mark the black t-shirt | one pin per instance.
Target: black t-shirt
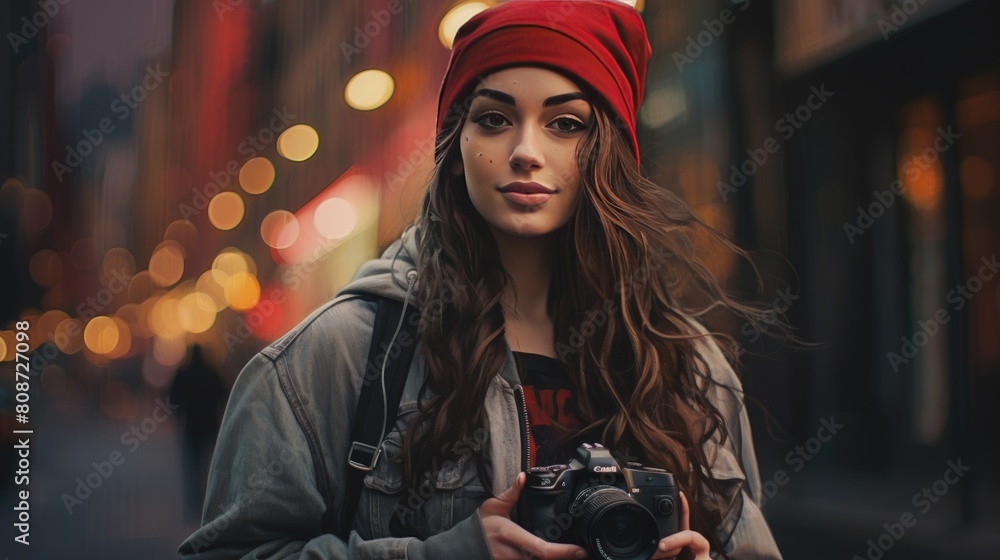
(550, 398)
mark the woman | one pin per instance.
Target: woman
(549, 275)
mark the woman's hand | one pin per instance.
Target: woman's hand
(673, 545)
(507, 539)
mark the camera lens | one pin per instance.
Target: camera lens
(614, 526)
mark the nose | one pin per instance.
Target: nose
(527, 153)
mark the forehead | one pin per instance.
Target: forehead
(528, 81)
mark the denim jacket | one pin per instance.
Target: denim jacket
(276, 487)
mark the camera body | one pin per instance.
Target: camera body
(615, 512)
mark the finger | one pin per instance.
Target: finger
(511, 495)
(685, 539)
(685, 513)
(534, 547)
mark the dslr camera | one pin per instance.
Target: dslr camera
(615, 512)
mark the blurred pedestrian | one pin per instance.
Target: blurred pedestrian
(200, 394)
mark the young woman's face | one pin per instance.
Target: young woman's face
(521, 134)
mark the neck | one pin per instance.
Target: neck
(528, 261)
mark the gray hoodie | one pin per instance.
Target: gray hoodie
(277, 483)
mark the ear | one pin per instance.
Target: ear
(458, 168)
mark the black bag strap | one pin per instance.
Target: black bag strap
(371, 414)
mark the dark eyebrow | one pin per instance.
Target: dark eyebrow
(497, 95)
(509, 99)
(564, 98)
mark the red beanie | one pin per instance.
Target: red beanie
(599, 44)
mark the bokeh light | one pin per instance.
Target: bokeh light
(165, 318)
(226, 210)
(208, 286)
(124, 343)
(69, 336)
(456, 18)
(257, 175)
(166, 266)
(118, 266)
(279, 229)
(335, 218)
(242, 291)
(183, 232)
(197, 312)
(298, 142)
(101, 335)
(369, 89)
(169, 352)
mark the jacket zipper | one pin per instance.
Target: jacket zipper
(525, 427)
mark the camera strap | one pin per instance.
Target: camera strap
(372, 413)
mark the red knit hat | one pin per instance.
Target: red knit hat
(599, 44)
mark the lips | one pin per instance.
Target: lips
(525, 188)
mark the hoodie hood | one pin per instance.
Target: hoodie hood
(393, 275)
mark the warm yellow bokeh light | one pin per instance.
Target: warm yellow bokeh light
(298, 142)
(3, 347)
(335, 218)
(164, 318)
(124, 343)
(456, 18)
(208, 285)
(197, 312)
(279, 229)
(45, 268)
(166, 266)
(257, 175)
(242, 291)
(101, 335)
(369, 89)
(226, 210)
(229, 262)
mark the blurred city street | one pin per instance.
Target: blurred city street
(183, 181)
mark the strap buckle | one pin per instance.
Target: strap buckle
(363, 456)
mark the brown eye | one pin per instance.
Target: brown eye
(568, 125)
(491, 121)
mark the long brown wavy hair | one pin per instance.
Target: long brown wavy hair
(642, 385)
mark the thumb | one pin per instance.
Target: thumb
(509, 497)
